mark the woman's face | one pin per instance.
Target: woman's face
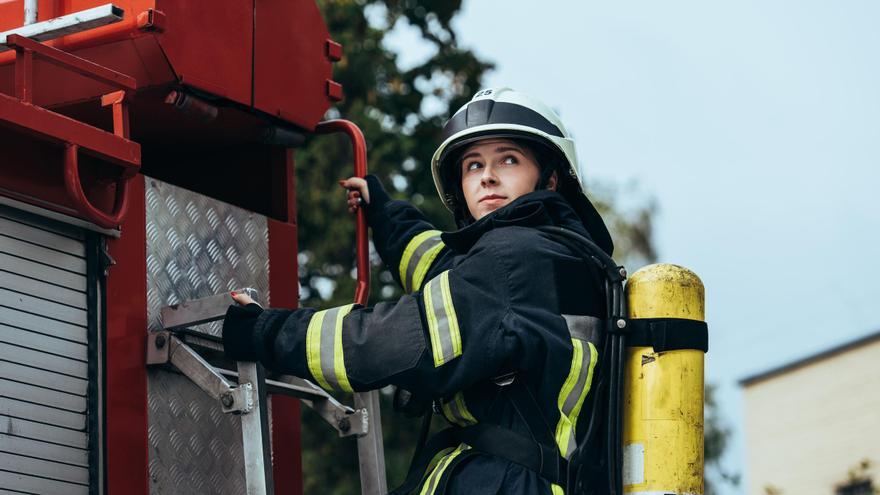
(494, 172)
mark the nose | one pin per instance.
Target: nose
(488, 178)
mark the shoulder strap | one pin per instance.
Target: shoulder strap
(583, 327)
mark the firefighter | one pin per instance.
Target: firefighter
(485, 328)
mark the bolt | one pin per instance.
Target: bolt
(160, 341)
(621, 324)
(227, 399)
(344, 425)
(623, 272)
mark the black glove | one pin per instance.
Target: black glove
(238, 332)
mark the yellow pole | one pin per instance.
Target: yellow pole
(663, 392)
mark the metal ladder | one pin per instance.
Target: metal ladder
(243, 392)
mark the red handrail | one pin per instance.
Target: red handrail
(25, 50)
(362, 292)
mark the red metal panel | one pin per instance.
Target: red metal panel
(291, 64)
(284, 290)
(126, 370)
(210, 45)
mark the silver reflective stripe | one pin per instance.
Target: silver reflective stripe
(426, 246)
(434, 479)
(324, 348)
(328, 349)
(573, 392)
(572, 398)
(442, 320)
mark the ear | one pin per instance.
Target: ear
(551, 182)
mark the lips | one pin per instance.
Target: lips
(492, 197)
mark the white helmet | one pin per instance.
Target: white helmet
(506, 113)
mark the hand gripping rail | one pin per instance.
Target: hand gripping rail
(242, 392)
(371, 452)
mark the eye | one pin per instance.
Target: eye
(469, 166)
(509, 160)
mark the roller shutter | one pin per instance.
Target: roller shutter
(48, 391)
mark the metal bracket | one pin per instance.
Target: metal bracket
(248, 398)
(165, 348)
(345, 420)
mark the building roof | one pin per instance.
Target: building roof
(799, 363)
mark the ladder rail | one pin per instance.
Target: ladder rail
(371, 450)
(256, 444)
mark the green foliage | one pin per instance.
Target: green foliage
(401, 113)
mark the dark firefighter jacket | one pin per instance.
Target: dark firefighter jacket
(481, 302)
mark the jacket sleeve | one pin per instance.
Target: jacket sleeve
(458, 330)
(406, 241)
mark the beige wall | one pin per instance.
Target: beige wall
(806, 428)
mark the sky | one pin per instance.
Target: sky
(754, 125)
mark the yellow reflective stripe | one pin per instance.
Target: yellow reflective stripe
(450, 314)
(324, 348)
(338, 358)
(434, 478)
(564, 426)
(432, 324)
(462, 408)
(594, 356)
(417, 257)
(448, 413)
(571, 397)
(442, 320)
(425, 264)
(313, 349)
(457, 412)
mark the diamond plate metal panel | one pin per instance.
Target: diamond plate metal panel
(196, 247)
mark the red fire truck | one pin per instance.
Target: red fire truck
(147, 170)
(146, 167)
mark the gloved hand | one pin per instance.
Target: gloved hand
(238, 327)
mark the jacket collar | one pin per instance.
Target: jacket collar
(535, 209)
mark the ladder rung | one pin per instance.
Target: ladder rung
(198, 311)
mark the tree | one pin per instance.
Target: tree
(401, 113)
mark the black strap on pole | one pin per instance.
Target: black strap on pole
(668, 334)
